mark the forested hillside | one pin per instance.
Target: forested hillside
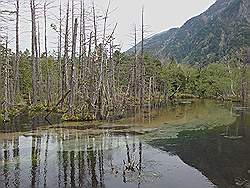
(206, 38)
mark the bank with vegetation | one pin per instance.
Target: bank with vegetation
(162, 83)
(89, 78)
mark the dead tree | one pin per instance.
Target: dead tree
(42, 88)
(102, 94)
(66, 56)
(101, 89)
(94, 24)
(34, 53)
(48, 81)
(89, 76)
(111, 81)
(135, 64)
(17, 57)
(142, 66)
(72, 15)
(60, 51)
(73, 71)
(94, 70)
(149, 93)
(6, 84)
(82, 51)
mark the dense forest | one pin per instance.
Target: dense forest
(88, 77)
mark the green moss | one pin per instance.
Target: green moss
(210, 117)
(185, 96)
(14, 111)
(188, 135)
(38, 108)
(77, 117)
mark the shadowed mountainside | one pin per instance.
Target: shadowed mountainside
(206, 38)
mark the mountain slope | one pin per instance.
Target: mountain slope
(225, 26)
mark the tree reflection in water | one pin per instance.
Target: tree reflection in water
(61, 159)
(222, 154)
(78, 158)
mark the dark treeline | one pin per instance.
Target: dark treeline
(88, 77)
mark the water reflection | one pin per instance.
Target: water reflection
(101, 157)
(26, 120)
(180, 112)
(77, 159)
(222, 154)
(67, 158)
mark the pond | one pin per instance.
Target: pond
(192, 144)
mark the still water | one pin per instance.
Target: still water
(190, 145)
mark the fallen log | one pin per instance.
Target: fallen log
(176, 91)
(60, 101)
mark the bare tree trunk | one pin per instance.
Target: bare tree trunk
(95, 25)
(82, 53)
(112, 75)
(89, 73)
(231, 80)
(80, 41)
(135, 65)
(38, 43)
(149, 91)
(41, 83)
(142, 67)
(48, 81)
(33, 54)
(100, 89)
(60, 51)
(95, 89)
(73, 71)
(6, 83)
(66, 55)
(72, 16)
(84, 29)
(17, 58)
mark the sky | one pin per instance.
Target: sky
(160, 15)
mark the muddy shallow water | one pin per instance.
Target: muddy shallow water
(198, 145)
